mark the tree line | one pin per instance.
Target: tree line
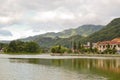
(17, 46)
(77, 47)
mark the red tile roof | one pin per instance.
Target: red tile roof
(114, 41)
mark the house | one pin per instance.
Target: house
(115, 43)
(88, 45)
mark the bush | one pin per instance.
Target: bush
(59, 49)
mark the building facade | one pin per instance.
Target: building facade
(115, 43)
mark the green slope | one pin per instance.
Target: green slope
(48, 42)
(110, 31)
(65, 37)
(84, 30)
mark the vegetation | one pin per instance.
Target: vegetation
(49, 42)
(59, 49)
(22, 47)
(2, 45)
(78, 48)
(84, 30)
(109, 50)
(65, 37)
(72, 44)
(109, 32)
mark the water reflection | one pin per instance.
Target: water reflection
(111, 65)
(37, 69)
(103, 67)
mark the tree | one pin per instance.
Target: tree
(79, 45)
(114, 50)
(59, 49)
(108, 46)
(91, 47)
(53, 50)
(74, 45)
(82, 49)
(11, 47)
(32, 47)
(3, 45)
(22, 47)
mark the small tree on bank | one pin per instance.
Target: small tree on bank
(59, 49)
(32, 47)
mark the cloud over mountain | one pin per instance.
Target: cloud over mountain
(5, 33)
(38, 16)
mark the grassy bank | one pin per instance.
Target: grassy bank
(89, 55)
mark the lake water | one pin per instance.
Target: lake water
(59, 69)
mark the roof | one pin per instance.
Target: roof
(114, 41)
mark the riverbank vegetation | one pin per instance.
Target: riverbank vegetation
(60, 49)
(76, 47)
(22, 47)
(79, 48)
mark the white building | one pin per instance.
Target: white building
(115, 43)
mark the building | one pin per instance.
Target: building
(88, 45)
(115, 43)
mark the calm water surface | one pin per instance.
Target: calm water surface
(61, 69)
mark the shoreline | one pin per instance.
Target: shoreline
(48, 56)
(90, 55)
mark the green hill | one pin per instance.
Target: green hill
(48, 41)
(110, 31)
(84, 30)
(100, 33)
(65, 37)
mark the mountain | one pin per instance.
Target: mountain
(84, 30)
(4, 41)
(97, 33)
(48, 41)
(109, 32)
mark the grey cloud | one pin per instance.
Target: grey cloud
(12, 7)
(5, 33)
(23, 12)
(47, 27)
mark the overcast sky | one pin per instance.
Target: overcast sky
(22, 18)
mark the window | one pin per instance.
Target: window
(111, 46)
(104, 46)
(114, 46)
(118, 45)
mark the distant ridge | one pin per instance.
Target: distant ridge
(84, 30)
(95, 34)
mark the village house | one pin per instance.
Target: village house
(115, 43)
(87, 46)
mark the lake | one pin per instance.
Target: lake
(59, 69)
